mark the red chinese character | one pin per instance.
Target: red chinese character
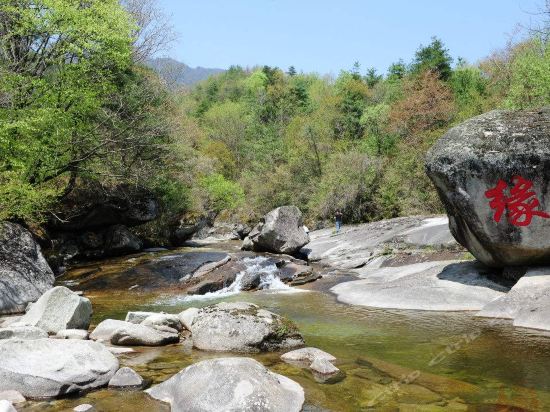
(520, 204)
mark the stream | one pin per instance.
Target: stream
(393, 360)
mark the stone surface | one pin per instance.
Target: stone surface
(131, 334)
(229, 384)
(307, 355)
(163, 322)
(471, 159)
(138, 317)
(6, 406)
(72, 334)
(323, 367)
(57, 309)
(444, 286)
(281, 231)
(22, 332)
(105, 330)
(187, 316)
(242, 327)
(24, 273)
(119, 240)
(126, 378)
(44, 368)
(85, 407)
(12, 396)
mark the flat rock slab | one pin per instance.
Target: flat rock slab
(229, 384)
(442, 286)
(22, 332)
(46, 368)
(139, 335)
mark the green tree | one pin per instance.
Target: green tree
(434, 57)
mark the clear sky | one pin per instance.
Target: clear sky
(327, 36)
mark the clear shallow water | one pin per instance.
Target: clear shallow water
(392, 360)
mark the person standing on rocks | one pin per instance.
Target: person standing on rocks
(338, 218)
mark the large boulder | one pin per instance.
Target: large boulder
(119, 240)
(242, 327)
(24, 273)
(123, 333)
(22, 332)
(229, 384)
(45, 368)
(58, 309)
(281, 231)
(492, 174)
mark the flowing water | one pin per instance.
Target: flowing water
(392, 360)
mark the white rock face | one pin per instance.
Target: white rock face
(307, 355)
(126, 378)
(323, 367)
(138, 317)
(72, 334)
(12, 396)
(57, 309)
(6, 406)
(242, 327)
(229, 384)
(163, 322)
(106, 329)
(85, 407)
(443, 286)
(46, 368)
(22, 332)
(187, 316)
(139, 335)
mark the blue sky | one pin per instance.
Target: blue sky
(328, 36)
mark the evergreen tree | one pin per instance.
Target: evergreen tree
(434, 57)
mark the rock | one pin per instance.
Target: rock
(324, 367)
(57, 309)
(242, 327)
(6, 406)
(187, 316)
(105, 330)
(12, 396)
(22, 332)
(230, 384)
(163, 322)
(500, 153)
(242, 230)
(281, 231)
(24, 273)
(138, 317)
(120, 241)
(126, 378)
(85, 407)
(72, 334)
(307, 355)
(45, 368)
(444, 286)
(139, 335)
(119, 351)
(218, 232)
(209, 267)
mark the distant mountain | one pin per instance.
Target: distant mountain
(175, 72)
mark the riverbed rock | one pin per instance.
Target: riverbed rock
(126, 378)
(72, 334)
(12, 396)
(85, 407)
(163, 322)
(24, 273)
(443, 286)
(105, 330)
(119, 240)
(45, 368)
(242, 327)
(492, 175)
(139, 335)
(307, 355)
(22, 332)
(137, 317)
(230, 384)
(57, 309)
(187, 317)
(6, 406)
(281, 231)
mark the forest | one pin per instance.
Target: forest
(81, 115)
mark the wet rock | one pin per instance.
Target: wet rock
(233, 384)
(281, 231)
(507, 151)
(45, 368)
(120, 241)
(242, 327)
(6, 406)
(126, 378)
(57, 309)
(163, 322)
(131, 334)
(72, 334)
(12, 396)
(444, 286)
(318, 361)
(307, 355)
(22, 332)
(138, 317)
(85, 407)
(324, 367)
(119, 351)
(24, 273)
(187, 317)
(209, 267)
(242, 230)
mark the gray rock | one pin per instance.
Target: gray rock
(85, 407)
(324, 367)
(138, 317)
(105, 330)
(12, 396)
(22, 332)
(307, 355)
(57, 309)
(119, 351)
(120, 241)
(242, 327)
(229, 384)
(444, 286)
(24, 273)
(139, 335)
(480, 154)
(72, 334)
(45, 368)
(163, 322)
(281, 231)
(6, 406)
(187, 316)
(126, 378)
